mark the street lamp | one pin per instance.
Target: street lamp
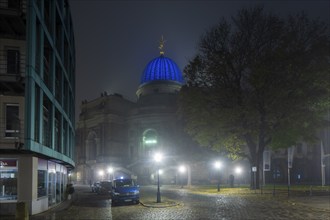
(182, 169)
(110, 171)
(158, 158)
(218, 166)
(238, 171)
(101, 173)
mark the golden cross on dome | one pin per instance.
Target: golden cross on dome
(161, 45)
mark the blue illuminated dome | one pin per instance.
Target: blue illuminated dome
(161, 68)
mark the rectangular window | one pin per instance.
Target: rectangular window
(38, 46)
(66, 96)
(48, 15)
(13, 61)
(42, 183)
(51, 183)
(59, 187)
(58, 131)
(58, 82)
(14, 4)
(8, 179)
(42, 177)
(12, 120)
(59, 38)
(37, 115)
(48, 54)
(47, 125)
(66, 54)
(65, 137)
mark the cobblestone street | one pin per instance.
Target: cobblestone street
(252, 206)
(87, 205)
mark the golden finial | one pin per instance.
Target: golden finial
(161, 45)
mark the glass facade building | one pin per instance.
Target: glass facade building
(37, 95)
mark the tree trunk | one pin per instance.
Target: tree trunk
(256, 163)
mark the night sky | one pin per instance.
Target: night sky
(116, 39)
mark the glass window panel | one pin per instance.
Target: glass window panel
(47, 125)
(42, 183)
(37, 115)
(12, 120)
(8, 179)
(12, 61)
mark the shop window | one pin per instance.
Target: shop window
(59, 187)
(8, 179)
(51, 188)
(51, 183)
(42, 178)
(42, 183)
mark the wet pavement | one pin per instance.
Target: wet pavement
(180, 203)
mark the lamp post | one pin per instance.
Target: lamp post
(110, 171)
(101, 173)
(238, 171)
(158, 158)
(217, 166)
(182, 169)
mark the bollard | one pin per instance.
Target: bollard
(21, 211)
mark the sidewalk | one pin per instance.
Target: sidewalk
(47, 214)
(314, 202)
(319, 200)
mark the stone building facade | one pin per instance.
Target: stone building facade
(116, 133)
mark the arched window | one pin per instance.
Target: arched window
(150, 141)
(150, 137)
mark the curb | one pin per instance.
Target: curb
(159, 205)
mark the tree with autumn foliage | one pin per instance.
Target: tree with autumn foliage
(257, 80)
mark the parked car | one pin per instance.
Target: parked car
(95, 187)
(125, 190)
(105, 188)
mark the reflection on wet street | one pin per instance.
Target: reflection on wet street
(89, 206)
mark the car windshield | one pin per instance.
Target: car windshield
(106, 184)
(124, 183)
